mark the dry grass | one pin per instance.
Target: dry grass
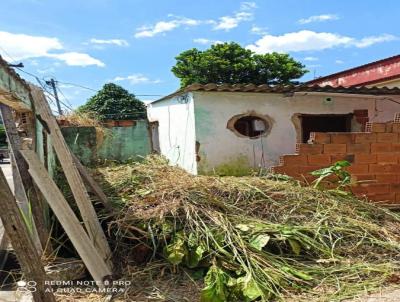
(253, 237)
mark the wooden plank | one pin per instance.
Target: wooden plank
(22, 243)
(74, 179)
(93, 260)
(93, 184)
(23, 182)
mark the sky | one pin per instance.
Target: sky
(133, 43)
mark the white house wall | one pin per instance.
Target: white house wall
(176, 130)
(223, 151)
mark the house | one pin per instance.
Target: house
(233, 129)
(380, 73)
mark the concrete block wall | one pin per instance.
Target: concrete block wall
(374, 158)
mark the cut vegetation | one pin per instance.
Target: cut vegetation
(250, 238)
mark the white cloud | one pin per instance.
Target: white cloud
(306, 40)
(165, 26)
(22, 47)
(319, 18)
(137, 78)
(258, 30)
(248, 5)
(245, 13)
(206, 41)
(117, 42)
(368, 41)
(310, 59)
(339, 62)
(77, 59)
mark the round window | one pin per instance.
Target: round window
(251, 126)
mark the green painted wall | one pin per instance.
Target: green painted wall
(119, 143)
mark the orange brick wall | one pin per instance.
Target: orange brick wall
(374, 158)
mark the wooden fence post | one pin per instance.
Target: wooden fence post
(84, 246)
(74, 179)
(22, 243)
(23, 182)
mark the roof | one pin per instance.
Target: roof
(283, 89)
(365, 67)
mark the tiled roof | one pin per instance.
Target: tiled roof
(284, 89)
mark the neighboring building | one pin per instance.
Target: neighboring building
(382, 73)
(233, 129)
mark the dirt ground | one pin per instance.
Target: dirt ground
(385, 295)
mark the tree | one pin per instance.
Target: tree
(115, 102)
(232, 64)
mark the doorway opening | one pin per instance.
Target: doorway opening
(324, 123)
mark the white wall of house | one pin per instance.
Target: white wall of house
(224, 151)
(390, 84)
(176, 131)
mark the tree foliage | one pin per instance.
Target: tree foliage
(114, 102)
(232, 64)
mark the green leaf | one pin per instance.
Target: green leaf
(295, 245)
(243, 227)
(194, 256)
(215, 286)
(297, 273)
(176, 251)
(250, 289)
(260, 241)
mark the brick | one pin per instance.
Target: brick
(359, 189)
(287, 170)
(319, 160)
(387, 178)
(387, 158)
(304, 170)
(362, 137)
(358, 169)
(396, 127)
(389, 127)
(363, 177)
(359, 148)
(387, 137)
(383, 168)
(381, 147)
(397, 198)
(294, 159)
(361, 112)
(337, 157)
(388, 197)
(378, 127)
(320, 138)
(335, 148)
(342, 138)
(365, 158)
(378, 188)
(309, 149)
(395, 188)
(396, 147)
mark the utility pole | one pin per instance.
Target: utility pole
(52, 83)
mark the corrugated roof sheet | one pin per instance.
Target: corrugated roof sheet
(284, 89)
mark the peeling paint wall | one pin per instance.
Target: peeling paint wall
(176, 122)
(118, 143)
(223, 152)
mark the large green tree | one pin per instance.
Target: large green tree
(232, 64)
(114, 102)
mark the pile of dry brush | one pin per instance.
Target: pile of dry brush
(253, 238)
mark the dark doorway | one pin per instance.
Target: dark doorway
(324, 123)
